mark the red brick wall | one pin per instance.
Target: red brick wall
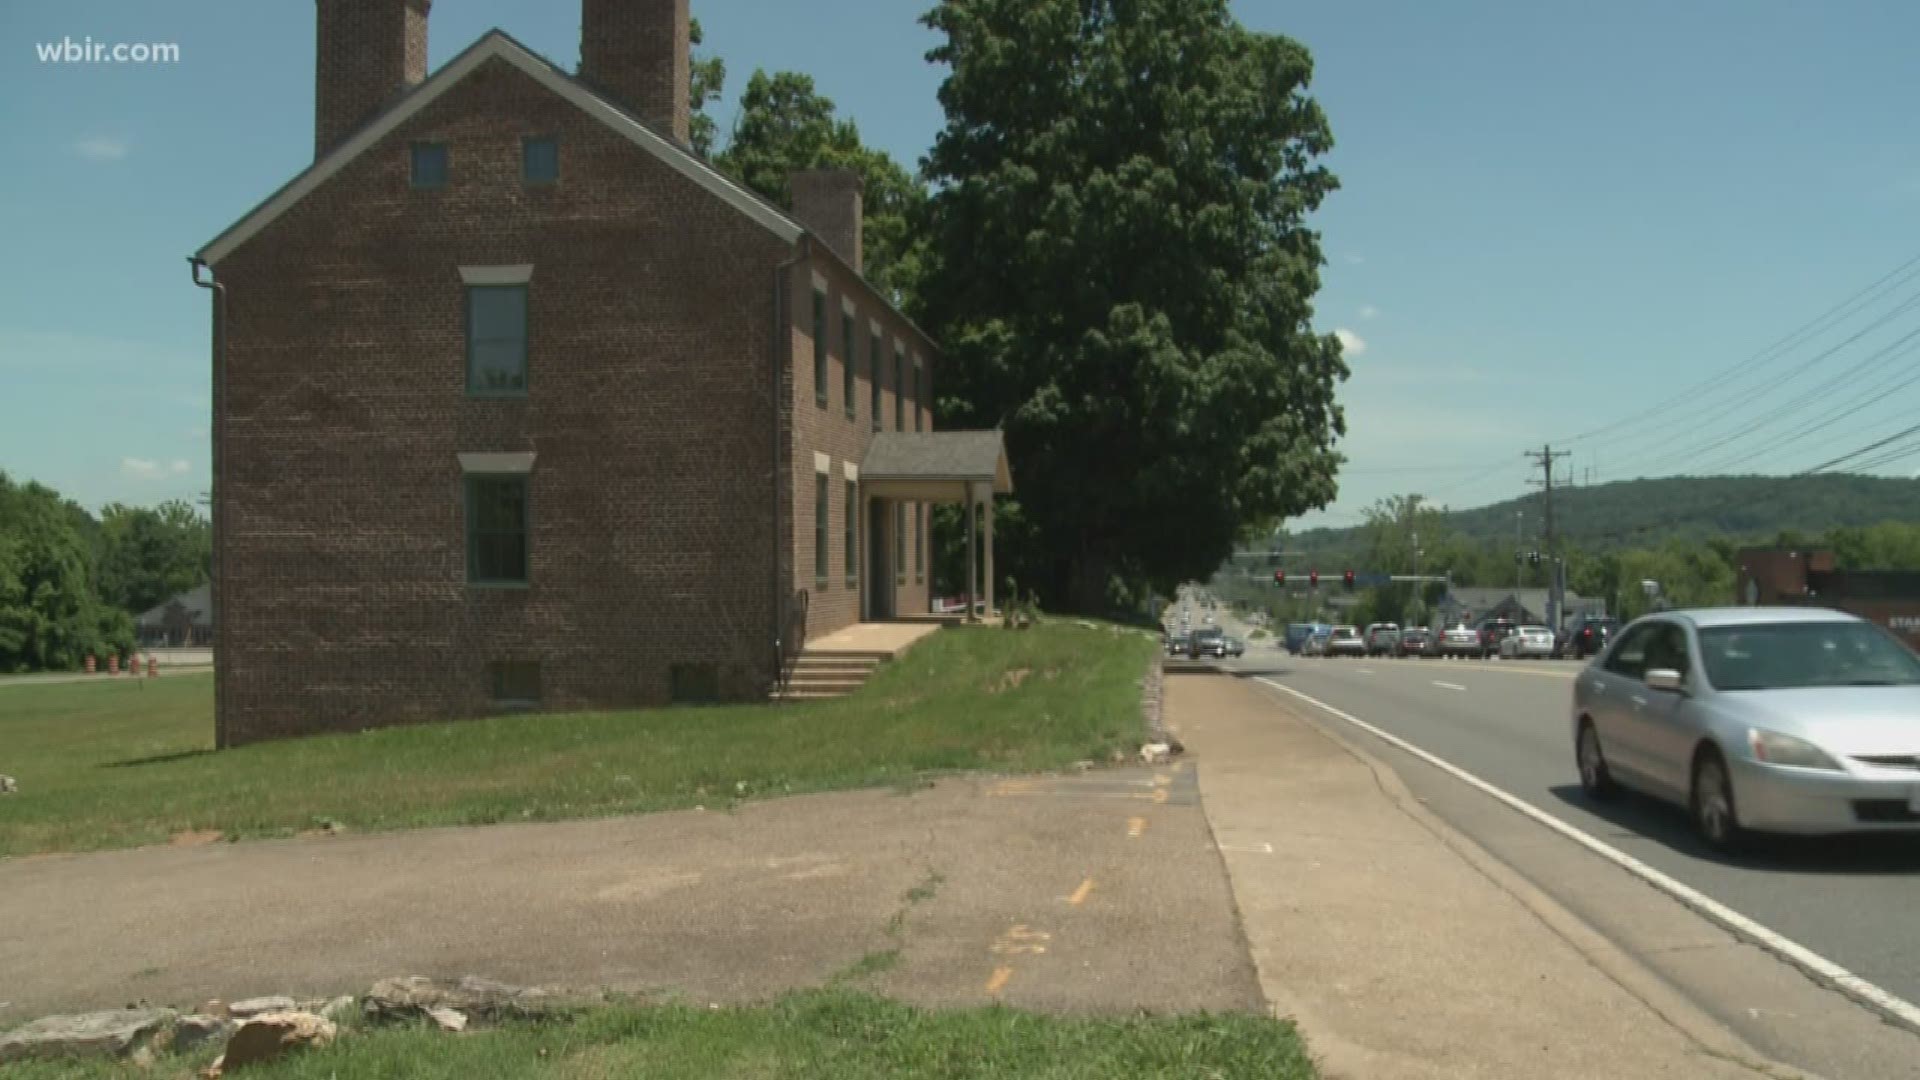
(367, 53)
(650, 408)
(828, 430)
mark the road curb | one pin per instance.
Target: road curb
(1878, 1000)
(1637, 979)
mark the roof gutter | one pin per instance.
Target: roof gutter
(779, 355)
(216, 591)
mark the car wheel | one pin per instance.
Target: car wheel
(1595, 778)
(1715, 816)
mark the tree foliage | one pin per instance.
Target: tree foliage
(709, 83)
(147, 555)
(785, 125)
(50, 616)
(1120, 272)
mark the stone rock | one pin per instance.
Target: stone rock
(214, 1007)
(416, 996)
(338, 1009)
(114, 1033)
(1155, 752)
(192, 1032)
(251, 1007)
(271, 1034)
(448, 1019)
(8, 785)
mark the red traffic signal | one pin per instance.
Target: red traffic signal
(1349, 579)
(1279, 577)
(1313, 578)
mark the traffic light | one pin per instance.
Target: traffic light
(1349, 579)
(1279, 577)
(1313, 578)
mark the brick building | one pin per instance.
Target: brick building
(1807, 578)
(519, 402)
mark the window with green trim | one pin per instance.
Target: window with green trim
(853, 532)
(497, 532)
(873, 377)
(820, 512)
(427, 165)
(919, 390)
(852, 351)
(820, 347)
(497, 340)
(899, 388)
(539, 160)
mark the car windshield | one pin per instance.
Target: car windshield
(1787, 656)
(1208, 632)
(1346, 632)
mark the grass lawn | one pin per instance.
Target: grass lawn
(117, 764)
(830, 1035)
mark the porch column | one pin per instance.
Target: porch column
(972, 557)
(989, 504)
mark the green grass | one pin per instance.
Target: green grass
(116, 764)
(830, 1035)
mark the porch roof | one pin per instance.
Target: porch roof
(921, 463)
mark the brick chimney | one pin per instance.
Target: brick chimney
(828, 202)
(368, 53)
(637, 53)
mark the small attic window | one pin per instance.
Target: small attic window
(539, 160)
(429, 168)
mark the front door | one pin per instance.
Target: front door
(879, 574)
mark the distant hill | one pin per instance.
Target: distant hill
(1648, 513)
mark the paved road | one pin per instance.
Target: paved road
(1853, 901)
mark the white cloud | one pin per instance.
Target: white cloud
(1356, 260)
(148, 469)
(1368, 311)
(100, 148)
(1351, 344)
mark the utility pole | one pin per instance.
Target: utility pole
(1544, 458)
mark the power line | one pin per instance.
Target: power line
(1761, 389)
(1872, 396)
(1778, 349)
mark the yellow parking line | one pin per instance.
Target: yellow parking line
(999, 979)
(1080, 894)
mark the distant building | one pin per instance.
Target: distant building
(1800, 577)
(185, 621)
(1525, 606)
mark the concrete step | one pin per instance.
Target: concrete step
(874, 655)
(808, 695)
(799, 681)
(835, 663)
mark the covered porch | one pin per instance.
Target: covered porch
(964, 467)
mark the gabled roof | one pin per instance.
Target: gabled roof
(197, 601)
(497, 44)
(939, 455)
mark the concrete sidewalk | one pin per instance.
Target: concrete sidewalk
(1402, 949)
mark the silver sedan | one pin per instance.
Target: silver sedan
(1534, 641)
(1789, 720)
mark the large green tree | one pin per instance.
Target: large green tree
(1121, 274)
(709, 83)
(50, 617)
(785, 125)
(147, 555)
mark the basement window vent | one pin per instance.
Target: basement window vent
(695, 684)
(514, 682)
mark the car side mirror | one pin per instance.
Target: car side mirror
(1666, 679)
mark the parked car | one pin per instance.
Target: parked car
(1346, 641)
(1792, 720)
(1461, 640)
(1316, 642)
(1415, 641)
(1492, 633)
(1383, 639)
(1176, 644)
(1590, 637)
(1527, 642)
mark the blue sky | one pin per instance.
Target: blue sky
(1554, 216)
